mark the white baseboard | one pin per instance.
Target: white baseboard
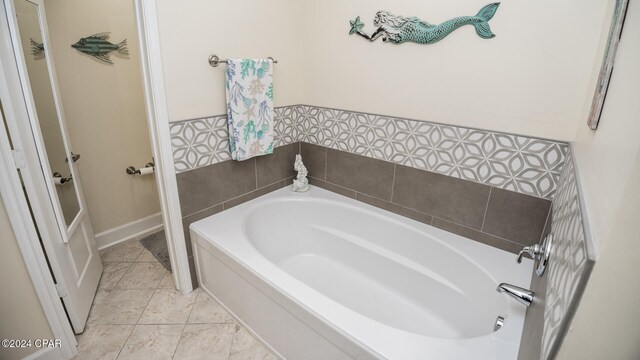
(147, 225)
(46, 354)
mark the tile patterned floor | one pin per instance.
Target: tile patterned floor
(138, 314)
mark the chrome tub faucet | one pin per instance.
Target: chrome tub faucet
(521, 295)
(539, 253)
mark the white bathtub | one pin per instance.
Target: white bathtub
(321, 276)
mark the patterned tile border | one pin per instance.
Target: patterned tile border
(201, 142)
(527, 165)
(570, 263)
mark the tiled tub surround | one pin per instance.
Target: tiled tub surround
(475, 208)
(201, 142)
(522, 164)
(501, 218)
(211, 189)
(572, 259)
(466, 188)
(559, 291)
(497, 217)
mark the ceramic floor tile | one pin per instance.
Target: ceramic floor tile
(155, 342)
(146, 256)
(127, 251)
(207, 311)
(143, 275)
(206, 341)
(167, 282)
(102, 342)
(118, 306)
(168, 307)
(111, 274)
(246, 347)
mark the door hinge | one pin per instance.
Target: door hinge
(62, 290)
(18, 159)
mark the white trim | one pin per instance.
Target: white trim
(137, 228)
(17, 207)
(158, 118)
(46, 354)
(67, 231)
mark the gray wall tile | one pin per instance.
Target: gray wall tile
(511, 162)
(461, 201)
(315, 158)
(394, 208)
(204, 187)
(362, 174)
(187, 220)
(332, 187)
(547, 224)
(490, 240)
(277, 166)
(515, 216)
(254, 194)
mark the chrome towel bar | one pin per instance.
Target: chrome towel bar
(214, 60)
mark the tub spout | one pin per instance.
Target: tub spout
(521, 295)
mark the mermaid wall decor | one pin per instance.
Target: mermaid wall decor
(400, 29)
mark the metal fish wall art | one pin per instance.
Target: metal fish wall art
(400, 29)
(99, 47)
(37, 48)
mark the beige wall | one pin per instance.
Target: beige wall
(606, 325)
(20, 310)
(105, 111)
(532, 79)
(191, 31)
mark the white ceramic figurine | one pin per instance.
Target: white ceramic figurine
(300, 183)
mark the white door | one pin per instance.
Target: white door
(51, 177)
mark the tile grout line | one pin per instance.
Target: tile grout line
(186, 322)
(546, 221)
(252, 191)
(484, 217)
(393, 182)
(336, 185)
(136, 324)
(326, 163)
(433, 217)
(233, 198)
(255, 168)
(472, 229)
(123, 275)
(394, 204)
(125, 341)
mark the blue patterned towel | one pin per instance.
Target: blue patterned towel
(250, 107)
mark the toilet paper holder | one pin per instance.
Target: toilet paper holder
(133, 171)
(61, 180)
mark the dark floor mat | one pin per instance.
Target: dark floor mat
(157, 245)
